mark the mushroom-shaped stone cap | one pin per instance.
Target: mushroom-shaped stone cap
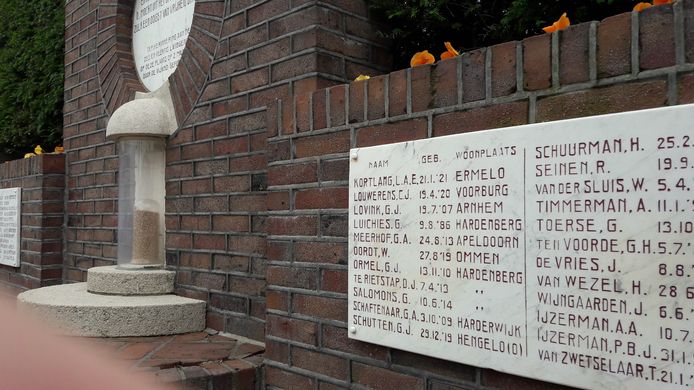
(149, 115)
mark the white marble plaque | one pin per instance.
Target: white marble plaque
(10, 229)
(160, 32)
(559, 251)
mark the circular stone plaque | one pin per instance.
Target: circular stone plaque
(160, 31)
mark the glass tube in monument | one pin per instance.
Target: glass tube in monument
(141, 192)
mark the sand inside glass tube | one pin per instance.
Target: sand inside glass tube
(145, 237)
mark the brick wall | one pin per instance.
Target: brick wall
(241, 54)
(627, 62)
(42, 180)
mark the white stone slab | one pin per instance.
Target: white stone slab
(559, 251)
(160, 32)
(10, 228)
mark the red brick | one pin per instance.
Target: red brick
(294, 67)
(397, 93)
(504, 69)
(320, 252)
(209, 241)
(383, 379)
(686, 89)
(180, 241)
(292, 225)
(199, 186)
(292, 174)
(537, 62)
(321, 198)
(215, 90)
(443, 368)
(337, 105)
(230, 263)
(305, 278)
(254, 162)
(320, 145)
(228, 303)
(334, 280)
(195, 222)
(401, 131)
(232, 184)
(573, 54)
(248, 203)
(276, 351)
(292, 329)
(270, 52)
(320, 307)
(247, 244)
(688, 7)
(229, 106)
(376, 97)
(278, 200)
(250, 37)
(336, 338)
(319, 109)
(210, 130)
(446, 82)
(287, 380)
(614, 45)
(195, 151)
(321, 363)
(357, 101)
(229, 146)
(277, 300)
(230, 223)
(491, 117)
(334, 170)
(421, 87)
(302, 115)
(598, 101)
(211, 204)
(266, 11)
(500, 380)
(195, 260)
(249, 80)
(656, 37)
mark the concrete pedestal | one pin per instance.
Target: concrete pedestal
(124, 306)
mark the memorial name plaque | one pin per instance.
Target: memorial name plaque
(160, 32)
(559, 251)
(10, 229)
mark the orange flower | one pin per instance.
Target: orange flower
(562, 23)
(641, 6)
(59, 149)
(422, 58)
(450, 51)
(660, 2)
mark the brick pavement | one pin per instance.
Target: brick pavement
(203, 360)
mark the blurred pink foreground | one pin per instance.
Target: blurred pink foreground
(31, 358)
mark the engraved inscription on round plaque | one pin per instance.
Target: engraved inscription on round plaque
(160, 31)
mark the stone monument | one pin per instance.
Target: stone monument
(134, 298)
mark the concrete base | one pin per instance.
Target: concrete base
(115, 281)
(74, 311)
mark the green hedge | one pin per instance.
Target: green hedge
(416, 25)
(31, 75)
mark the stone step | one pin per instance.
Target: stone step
(114, 281)
(75, 311)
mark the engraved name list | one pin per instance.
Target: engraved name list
(559, 251)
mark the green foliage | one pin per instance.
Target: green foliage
(416, 25)
(31, 75)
